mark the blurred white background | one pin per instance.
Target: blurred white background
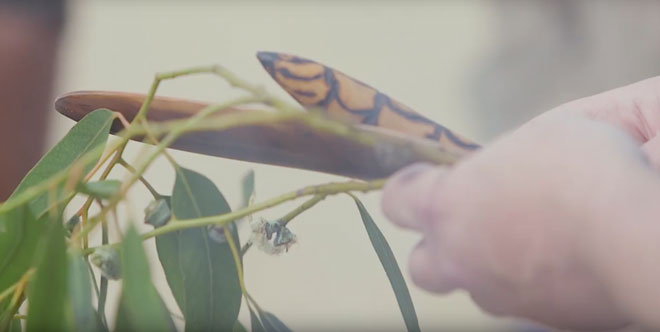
(426, 54)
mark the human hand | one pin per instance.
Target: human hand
(550, 222)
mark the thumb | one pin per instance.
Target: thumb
(410, 195)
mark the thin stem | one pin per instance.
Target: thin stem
(102, 299)
(217, 70)
(302, 208)
(93, 277)
(84, 217)
(155, 141)
(142, 112)
(9, 291)
(254, 303)
(20, 287)
(127, 134)
(236, 256)
(245, 248)
(237, 82)
(103, 293)
(189, 124)
(144, 181)
(289, 216)
(103, 159)
(85, 208)
(223, 219)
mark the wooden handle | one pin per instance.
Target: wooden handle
(292, 143)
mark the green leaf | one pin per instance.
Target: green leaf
(238, 327)
(272, 323)
(392, 270)
(80, 293)
(248, 187)
(100, 189)
(200, 271)
(19, 236)
(19, 228)
(47, 291)
(255, 323)
(140, 306)
(20, 233)
(15, 325)
(88, 134)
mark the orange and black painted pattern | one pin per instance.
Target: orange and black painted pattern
(314, 85)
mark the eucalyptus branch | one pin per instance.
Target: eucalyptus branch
(142, 112)
(103, 292)
(302, 208)
(231, 120)
(237, 258)
(9, 291)
(223, 219)
(219, 71)
(144, 181)
(62, 186)
(20, 288)
(154, 140)
(289, 216)
(129, 129)
(85, 208)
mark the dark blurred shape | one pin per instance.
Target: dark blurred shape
(549, 52)
(29, 34)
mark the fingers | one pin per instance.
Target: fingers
(408, 200)
(634, 108)
(432, 272)
(409, 195)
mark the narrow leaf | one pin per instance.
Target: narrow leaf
(255, 323)
(238, 327)
(200, 271)
(47, 291)
(272, 323)
(392, 270)
(140, 306)
(80, 293)
(88, 134)
(100, 189)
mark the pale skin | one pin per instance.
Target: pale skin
(557, 222)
